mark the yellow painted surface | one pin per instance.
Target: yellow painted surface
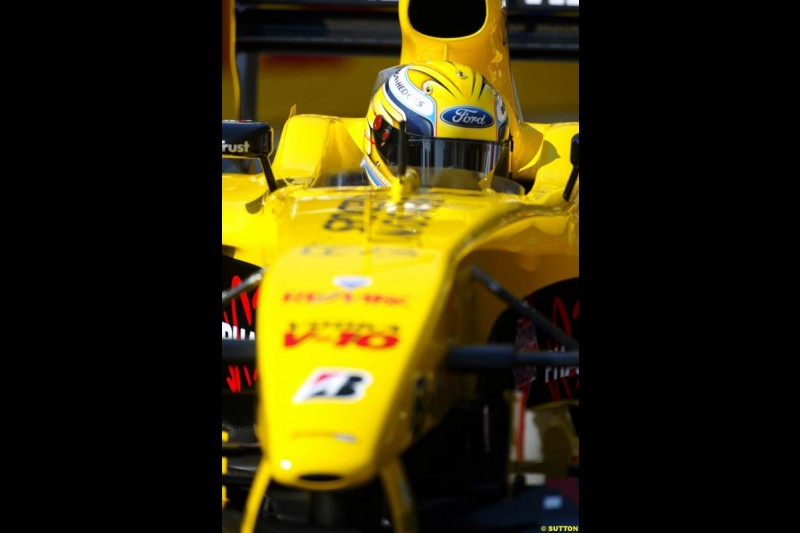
(342, 86)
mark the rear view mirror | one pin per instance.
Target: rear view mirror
(573, 158)
(573, 155)
(244, 138)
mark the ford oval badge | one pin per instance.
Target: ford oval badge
(467, 117)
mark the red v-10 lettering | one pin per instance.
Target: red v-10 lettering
(342, 296)
(372, 340)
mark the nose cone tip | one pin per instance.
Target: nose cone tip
(330, 460)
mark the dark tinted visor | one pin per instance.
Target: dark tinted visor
(433, 155)
(479, 156)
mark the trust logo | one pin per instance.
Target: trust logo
(235, 148)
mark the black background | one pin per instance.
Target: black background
(671, 298)
(112, 250)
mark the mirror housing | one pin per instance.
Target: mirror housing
(245, 138)
(573, 158)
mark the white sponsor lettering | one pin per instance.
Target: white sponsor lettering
(233, 332)
(553, 373)
(413, 97)
(468, 117)
(236, 148)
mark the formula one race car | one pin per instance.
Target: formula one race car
(415, 277)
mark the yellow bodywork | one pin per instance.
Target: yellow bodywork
(225, 500)
(418, 301)
(374, 285)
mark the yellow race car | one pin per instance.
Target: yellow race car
(400, 300)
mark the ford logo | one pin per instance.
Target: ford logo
(467, 117)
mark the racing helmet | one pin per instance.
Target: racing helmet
(456, 126)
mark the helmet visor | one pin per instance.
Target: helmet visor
(435, 159)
